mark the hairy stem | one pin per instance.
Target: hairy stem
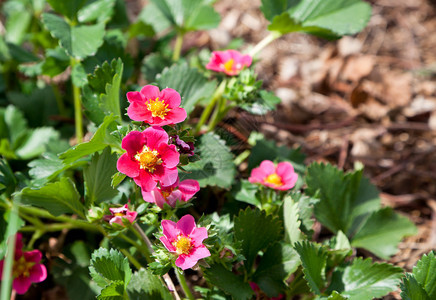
(265, 42)
(182, 280)
(178, 46)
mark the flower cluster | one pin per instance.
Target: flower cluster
(26, 268)
(151, 159)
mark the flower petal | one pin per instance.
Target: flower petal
(176, 115)
(169, 155)
(134, 97)
(33, 256)
(150, 92)
(158, 198)
(171, 97)
(169, 229)
(148, 196)
(21, 284)
(166, 176)
(145, 181)
(155, 136)
(188, 188)
(137, 111)
(38, 273)
(184, 262)
(268, 167)
(186, 224)
(200, 252)
(127, 166)
(133, 142)
(167, 244)
(246, 60)
(198, 235)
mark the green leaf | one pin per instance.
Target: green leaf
(291, 220)
(229, 282)
(98, 177)
(215, 167)
(99, 141)
(364, 280)
(263, 104)
(145, 285)
(16, 124)
(425, 274)
(117, 178)
(411, 289)
(109, 266)
(8, 182)
(100, 10)
(102, 95)
(58, 198)
(246, 192)
(55, 62)
(192, 86)
(314, 260)
(113, 291)
(346, 200)
(17, 24)
(254, 237)
(276, 265)
(79, 41)
(188, 15)
(68, 8)
(36, 142)
(382, 232)
(326, 18)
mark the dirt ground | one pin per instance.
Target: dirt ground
(368, 98)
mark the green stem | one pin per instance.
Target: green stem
(131, 259)
(9, 259)
(144, 250)
(182, 280)
(265, 42)
(220, 112)
(208, 110)
(78, 119)
(178, 46)
(59, 102)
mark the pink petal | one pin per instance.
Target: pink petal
(167, 244)
(176, 115)
(173, 197)
(155, 136)
(246, 60)
(1, 269)
(145, 181)
(19, 241)
(268, 167)
(199, 253)
(257, 175)
(188, 188)
(149, 196)
(122, 209)
(38, 273)
(169, 229)
(185, 262)
(158, 198)
(150, 92)
(198, 235)
(186, 224)
(33, 256)
(133, 142)
(21, 285)
(289, 183)
(127, 166)
(171, 97)
(138, 111)
(284, 168)
(169, 155)
(134, 97)
(131, 216)
(117, 220)
(167, 177)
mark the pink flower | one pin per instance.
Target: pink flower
(185, 240)
(230, 62)
(261, 295)
(26, 267)
(149, 158)
(120, 213)
(281, 177)
(182, 191)
(156, 107)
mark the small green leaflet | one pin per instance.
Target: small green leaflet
(145, 285)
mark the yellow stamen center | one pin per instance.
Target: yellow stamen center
(148, 159)
(22, 267)
(119, 215)
(158, 108)
(166, 194)
(274, 179)
(183, 245)
(228, 66)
